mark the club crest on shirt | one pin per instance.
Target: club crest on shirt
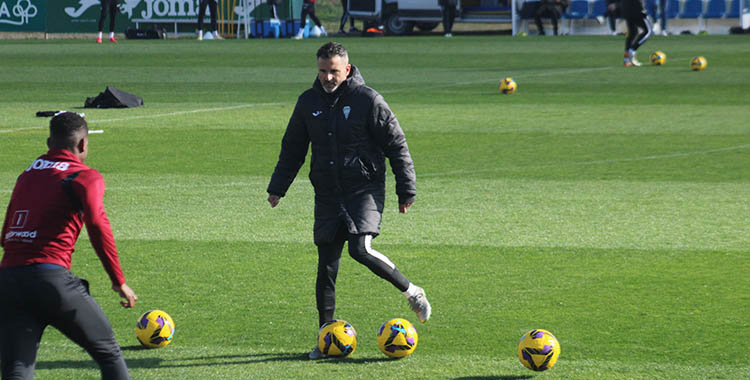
(346, 110)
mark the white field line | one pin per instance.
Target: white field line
(158, 115)
(446, 85)
(531, 74)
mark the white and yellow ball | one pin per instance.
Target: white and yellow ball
(658, 58)
(155, 329)
(698, 63)
(337, 338)
(538, 350)
(397, 338)
(508, 86)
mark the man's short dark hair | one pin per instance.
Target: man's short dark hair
(66, 128)
(331, 50)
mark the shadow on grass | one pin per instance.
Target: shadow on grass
(200, 361)
(353, 360)
(494, 377)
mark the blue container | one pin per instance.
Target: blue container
(272, 29)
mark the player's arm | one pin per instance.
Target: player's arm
(5, 227)
(89, 186)
(294, 148)
(389, 135)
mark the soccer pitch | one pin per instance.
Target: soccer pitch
(608, 205)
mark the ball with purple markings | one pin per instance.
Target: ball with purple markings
(397, 338)
(337, 338)
(538, 350)
(155, 329)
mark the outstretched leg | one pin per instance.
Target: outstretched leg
(360, 248)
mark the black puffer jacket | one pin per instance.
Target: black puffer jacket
(351, 132)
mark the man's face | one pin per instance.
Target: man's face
(332, 72)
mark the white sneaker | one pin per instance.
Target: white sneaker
(634, 61)
(300, 35)
(323, 32)
(449, 34)
(217, 36)
(315, 354)
(420, 305)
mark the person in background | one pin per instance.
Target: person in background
(214, 19)
(51, 201)
(448, 9)
(109, 7)
(613, 12)
(308, 9)
(639, 29)
(663, 17)
(344, 16)
(553, 9)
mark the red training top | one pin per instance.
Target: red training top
(52, 200)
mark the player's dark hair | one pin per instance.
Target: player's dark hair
(65, 130)
(331, 50)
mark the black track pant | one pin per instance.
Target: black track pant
(31, 299)
(639, 28)
(345, 15)
(612, 18)
(636, 22)
(214, 14)
(308, 9)
(109, 7)
(552, 11)
(360, 250)
(449, 14)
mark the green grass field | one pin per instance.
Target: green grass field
(607, 205)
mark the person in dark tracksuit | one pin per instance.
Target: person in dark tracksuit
(344, 17)
(351, 130)
(214, 8)
(612, 13)
(109, 8)
(448, 9)
(308, 9)
(552, 9)
(639, 29)
(51, 201)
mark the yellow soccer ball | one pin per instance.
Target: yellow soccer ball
(337, 338)
(508, 86)
(155, 329)
(538, 350)
(698, 63)
(397, 338)
(658, 58)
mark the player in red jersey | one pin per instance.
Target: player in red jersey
(53, 198)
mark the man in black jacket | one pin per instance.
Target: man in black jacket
(352, 131)
(552, 9)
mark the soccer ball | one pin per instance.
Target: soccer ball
(658, 58)
(508, 86)
(337, 338)
(397, 338)
(538, 350)
(155, 329)
(698, 63)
